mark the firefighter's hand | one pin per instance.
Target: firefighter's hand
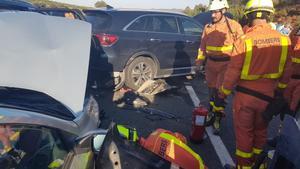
(199, 65)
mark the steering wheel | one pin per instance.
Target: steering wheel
(11, 159)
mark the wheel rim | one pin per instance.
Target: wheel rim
(141, 72)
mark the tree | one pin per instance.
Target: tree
(193, 12)
(199, 8)
(100, 4)
(188, 11)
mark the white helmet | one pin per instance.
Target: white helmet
(259, 5)
(217, 4)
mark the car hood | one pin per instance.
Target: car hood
(46, 54)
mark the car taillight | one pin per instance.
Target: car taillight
(107, 39)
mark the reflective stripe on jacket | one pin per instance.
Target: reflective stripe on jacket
(172, 147)
(217, 39)
(262, 53)
(252, 62)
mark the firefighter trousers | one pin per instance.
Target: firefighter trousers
(250, 128)
(214, 73)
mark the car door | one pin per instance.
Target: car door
(166, 42)
(134, 37)
(192, 36)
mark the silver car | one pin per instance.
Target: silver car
(46, 121)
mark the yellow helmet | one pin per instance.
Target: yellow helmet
(259, 5)
(217, 4)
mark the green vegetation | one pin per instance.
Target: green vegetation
(100, 4)
(283, 8)
(52, 4)
(197, 9)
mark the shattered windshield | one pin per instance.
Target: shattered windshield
(33, 101)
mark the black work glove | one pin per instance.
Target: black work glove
(278, 106)
(286, 110)
(278, 93)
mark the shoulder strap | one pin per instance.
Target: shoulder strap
(230, 29)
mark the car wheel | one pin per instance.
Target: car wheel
(120, 82)
(139, 71)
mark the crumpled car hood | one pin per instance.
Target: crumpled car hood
(46, 54)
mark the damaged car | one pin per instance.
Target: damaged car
(43, 107)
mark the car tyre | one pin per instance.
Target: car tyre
(139, 71)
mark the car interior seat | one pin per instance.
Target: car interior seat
(36, 148)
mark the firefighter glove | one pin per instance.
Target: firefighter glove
(278, 106)
(278, 93)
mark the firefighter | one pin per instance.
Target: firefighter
(292, 93)
(259, 70)
(216, 46)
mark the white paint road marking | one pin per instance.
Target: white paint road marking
(216, 141)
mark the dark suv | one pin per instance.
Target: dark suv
(141, 45)
(16, 5)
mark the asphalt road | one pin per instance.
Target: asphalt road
(179, 103)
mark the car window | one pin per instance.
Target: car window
(190, 28)
(99, 20)
(140, 24)
(62, 14)
(167, 24)
(30, 147)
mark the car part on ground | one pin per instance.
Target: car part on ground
(153, 87)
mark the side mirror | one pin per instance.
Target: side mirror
(91, 140)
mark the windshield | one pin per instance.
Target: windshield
(33, 101)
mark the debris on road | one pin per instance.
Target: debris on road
(130, 99)
(153, 87)
(153, 113)
(143, 96)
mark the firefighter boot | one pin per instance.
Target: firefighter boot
(217, 124)
(211, 115)
(210, 118)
